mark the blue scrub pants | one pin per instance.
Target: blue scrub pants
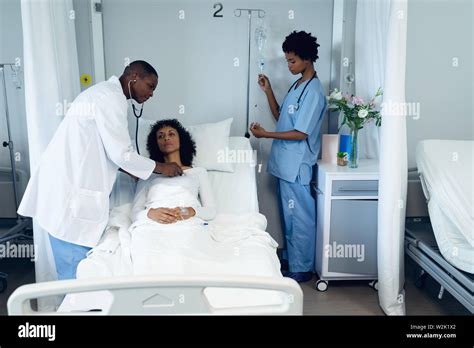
(66, 257)
(298, 210)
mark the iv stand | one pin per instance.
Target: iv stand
(261, 14)
(21, 222)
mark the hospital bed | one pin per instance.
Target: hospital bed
(235, 193)
(443, 246)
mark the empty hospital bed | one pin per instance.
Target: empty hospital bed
(444, 247)
(244, 293)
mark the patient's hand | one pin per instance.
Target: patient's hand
(163, 215)
(184, 213)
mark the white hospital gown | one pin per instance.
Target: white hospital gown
(192, 189)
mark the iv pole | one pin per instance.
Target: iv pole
(261, 14)
(21, 223)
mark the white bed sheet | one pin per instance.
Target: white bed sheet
(447, 168)
(229, 245)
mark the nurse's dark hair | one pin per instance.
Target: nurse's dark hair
(302, 44)
(187, 147)
(141, 67)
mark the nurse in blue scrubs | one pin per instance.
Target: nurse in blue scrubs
(295, 150)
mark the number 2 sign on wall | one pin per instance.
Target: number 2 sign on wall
(219, 7)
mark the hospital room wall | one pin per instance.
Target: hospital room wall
(196, 60)
(439, 72)
(11, 49)
(82, 23)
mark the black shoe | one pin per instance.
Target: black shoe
(300, 277)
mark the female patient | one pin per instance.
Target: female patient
(167, 200)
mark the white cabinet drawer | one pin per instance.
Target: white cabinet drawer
(355, 187)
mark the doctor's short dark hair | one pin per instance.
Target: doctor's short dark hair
(141, 67)
(302, 44)
(187, 146)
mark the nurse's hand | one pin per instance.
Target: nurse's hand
(163, 215)
(257, 130)
(264, 83)
(168, 169)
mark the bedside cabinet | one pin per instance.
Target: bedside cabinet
(346, 220)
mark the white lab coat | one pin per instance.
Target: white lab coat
(68, 193)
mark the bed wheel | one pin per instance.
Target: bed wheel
(321, 285)
(374, 285)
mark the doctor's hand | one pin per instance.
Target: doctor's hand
(163, 215)
(168, 169)
(257, 130)
(264, 83)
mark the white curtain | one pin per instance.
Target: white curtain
(372, 18)
(51, 81)
(393, 168)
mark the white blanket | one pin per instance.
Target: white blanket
(447, 168)
(228, 245)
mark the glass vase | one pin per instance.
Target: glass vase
(354, 154)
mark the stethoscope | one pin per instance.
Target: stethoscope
(306, 85)
(135, 113)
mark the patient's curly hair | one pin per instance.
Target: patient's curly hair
(187, 147)
(302, 44)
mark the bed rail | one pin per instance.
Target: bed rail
(177, 294)
(424, 187)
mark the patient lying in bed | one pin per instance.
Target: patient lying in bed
(166, 200)
(170, 213)
(173, 227)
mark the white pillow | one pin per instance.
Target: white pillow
(236, 193)
(212, 144)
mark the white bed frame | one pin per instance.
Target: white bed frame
(177, 295)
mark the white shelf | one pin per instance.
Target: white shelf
(366, 167)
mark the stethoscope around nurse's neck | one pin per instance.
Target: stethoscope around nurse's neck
(306, 85)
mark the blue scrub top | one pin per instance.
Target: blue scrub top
(293, 160)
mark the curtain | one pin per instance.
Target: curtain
(51, 81)
(372, 18)
(393, 168)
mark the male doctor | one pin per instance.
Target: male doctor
(68, 193)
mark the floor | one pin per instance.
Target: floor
(20, 270)
(358, 298)
(341, 298)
